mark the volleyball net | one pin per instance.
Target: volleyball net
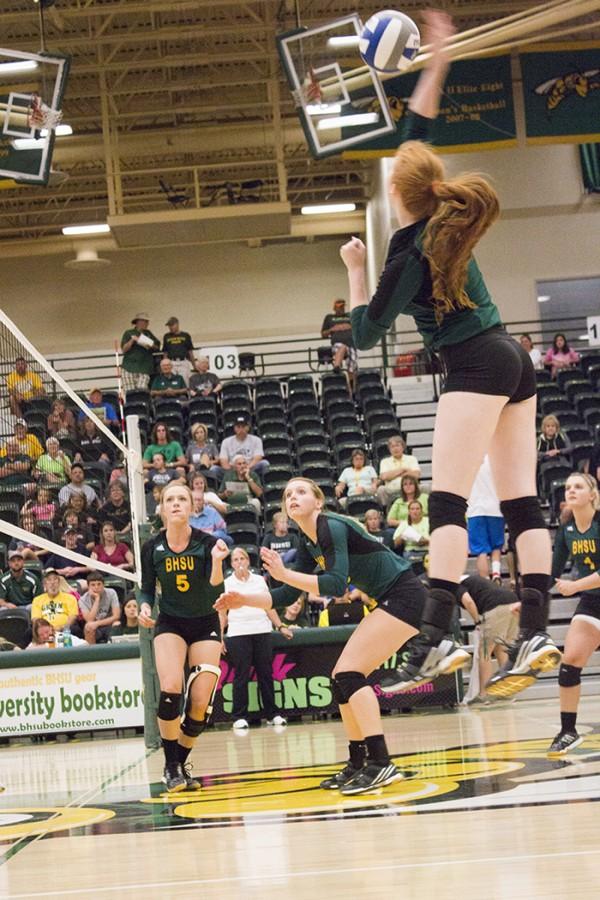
(28, 387)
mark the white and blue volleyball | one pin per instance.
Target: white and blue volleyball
(389, 41)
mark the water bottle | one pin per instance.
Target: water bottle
(67, 640)
(58, 639)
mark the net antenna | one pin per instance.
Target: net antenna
(14, 344)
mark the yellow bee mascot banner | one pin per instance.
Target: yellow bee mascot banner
(561, 91)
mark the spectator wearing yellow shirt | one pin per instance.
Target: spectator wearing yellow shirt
(29, 444)
(57, 607)
(392, 469)
(23, 384)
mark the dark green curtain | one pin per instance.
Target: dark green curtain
(589, 154)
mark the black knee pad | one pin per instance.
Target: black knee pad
(522, 514)
(446, 509)
(569, 676)
(348, 683)
(169, 706)
(193, 727)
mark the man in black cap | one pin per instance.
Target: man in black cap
(18, 586)
(242, 443)
(178, 347)
(138, 345)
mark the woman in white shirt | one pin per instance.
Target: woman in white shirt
(249, 642)
(357, 478)
(536, 357)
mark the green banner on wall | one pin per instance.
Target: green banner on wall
(561, 91)
(476, 111)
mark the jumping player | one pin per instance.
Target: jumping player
(577, 539)
(346, 552)
(489, 398)
(188, 566)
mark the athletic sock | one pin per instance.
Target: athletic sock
(377, 750)
(171, 751)
(496, 568)
(439, 609)
(534, 603)
(183, 753)
(567, 721)
(357, 753)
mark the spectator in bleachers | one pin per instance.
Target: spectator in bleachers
(56, 606)
(168, 385)
(374, 525)
(338, 328)
(30, 549)
(71, 518)
(296, 615)
(99, 407)
(179, 348)
(412, 536)
(198, 483)
(42, 506)
(15, 466)
(116, 509)
(61, 421)
(485, 523)
(93, 446)
(77, 485)
(343, 611)
(241, 485)
(552, 443)
(43, 635)
(100, 610)
(159, 474)
(201, 453)
(64, 565)
(535, 355)
(138, 345)
(281, 539)
(23, 385)
(242, 443)
(410, 490)
(357, 478)
(111, 551)
(594, 460)
(18, 586)
(153, 506)
(206, 518)
(392, 468)
(54, 466)
(28, 443)
(202, 382)
(128, 623)
(161, 441)
(560, 356)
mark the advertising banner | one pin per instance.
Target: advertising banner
(81, 697)
(561, 92)
(476, 111)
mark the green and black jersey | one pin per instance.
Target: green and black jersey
(347, 554)
(184, 578)
(20, 591)
(405, 287)
(582, 547)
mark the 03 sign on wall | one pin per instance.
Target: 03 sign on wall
(223, 361)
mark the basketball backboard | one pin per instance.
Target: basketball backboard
(32, 86)
(319, 64)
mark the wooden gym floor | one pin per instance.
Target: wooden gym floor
(484, 815)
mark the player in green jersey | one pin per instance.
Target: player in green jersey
(488, 402)
(344, 551)
(188, 566)
(577, 539)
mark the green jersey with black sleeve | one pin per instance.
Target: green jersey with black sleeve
(582, 547)
(346, 554)
(184, 578)
(405, 287)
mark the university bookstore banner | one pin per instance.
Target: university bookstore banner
(476, 112)
(561, 92)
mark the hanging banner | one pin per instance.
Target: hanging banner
(561, 92)
(476, 111)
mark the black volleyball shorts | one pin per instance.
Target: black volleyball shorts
(192, 630)
(404, 599)
(489, 363)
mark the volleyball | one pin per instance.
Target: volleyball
(389, 41)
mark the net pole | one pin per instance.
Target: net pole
(55, 376)
(45, 544)
(120, 392)
(137, 497)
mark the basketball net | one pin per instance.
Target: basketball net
(14, 344)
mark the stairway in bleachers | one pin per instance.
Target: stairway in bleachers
(416, 406)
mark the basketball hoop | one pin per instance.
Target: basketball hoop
(40, 116)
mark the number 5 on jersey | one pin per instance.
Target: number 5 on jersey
(182, 583)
